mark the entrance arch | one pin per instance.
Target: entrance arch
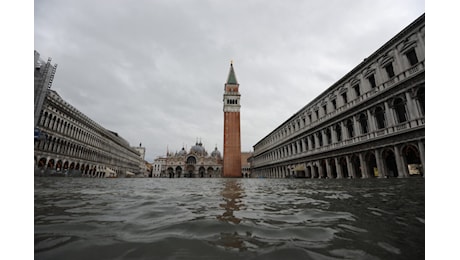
(189, 171)
(178, 171)
(371, 165)
(333, 172)
(356, 163)
(412, 161)
(170, 172)
(201, 172)
(343, 166)
(389, 159)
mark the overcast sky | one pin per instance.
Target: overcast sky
(154, 71)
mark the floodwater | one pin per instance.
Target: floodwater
(86, 218)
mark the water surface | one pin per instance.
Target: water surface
(85, 218)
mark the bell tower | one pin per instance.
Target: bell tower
(232, 137)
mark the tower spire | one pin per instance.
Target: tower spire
(231, 79)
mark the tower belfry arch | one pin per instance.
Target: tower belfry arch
(232, 135)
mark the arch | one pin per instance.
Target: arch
(327, 132)
(189, 170)
(338, 132)
(201, 172)
(179, 171)
(379, 113)
(412, 160)
(350, 128)
(371, 163)
(333, 169)
(170, 171)
(322, 166)
(356, 163)
(191, 160)
(41, 163)
(59, 165)
(362, 119)
(210, 172)
(66, 165)
(389, 160)
(344, 167)
(399, 106)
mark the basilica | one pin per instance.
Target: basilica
(195, 163)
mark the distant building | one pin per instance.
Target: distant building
(370, 123)
(67, 142)
(143, 164)
(245, 164)
(196, 163)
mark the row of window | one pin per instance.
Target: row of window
(232, 101)
(324, 107)
(350, 127)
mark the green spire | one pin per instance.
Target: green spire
(231, 75)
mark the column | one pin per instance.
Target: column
(304, 146)
(314, 169)
(333, 134)
(380, 165)
(350, 167)
(364, 169)
(328, 169)
(389, 115)
(321, 171)
(356, 127)
(370, 121)
(411, 107)
(323, 135)
(421, 150)
(338, 168)
(402, 169)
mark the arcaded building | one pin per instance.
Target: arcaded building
(370, 123)
(68, 143)
(232, 134)
(195, 163)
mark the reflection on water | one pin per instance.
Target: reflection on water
(229, 218)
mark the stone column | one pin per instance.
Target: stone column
(314, 169)
(304, 146)
(389, 115)
(338, 168)
(380, 164)
(364, 169)
(328, 169)
(351, 172)
(320, 168)
(402, 169)
(411, 107)
(371, 121)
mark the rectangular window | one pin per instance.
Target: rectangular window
(412, 57)
(357, 91)
(389, 70)
(371, 79)
(317, 114)
(309, 118)
(345, 98)
(334, 104)
(325, 109)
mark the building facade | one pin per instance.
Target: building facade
(232, 135)
(69, 143)
(370, 123)
(196, 163)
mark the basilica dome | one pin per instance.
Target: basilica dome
(198, 149)
(215, 153)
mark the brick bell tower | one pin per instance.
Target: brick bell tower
(232, 136)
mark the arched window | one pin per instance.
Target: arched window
(350, 128)
(400, 109)
(328, 135)
(320, 139)
(191, 160)
(363, 123)
(380, 117)
(338, 132)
